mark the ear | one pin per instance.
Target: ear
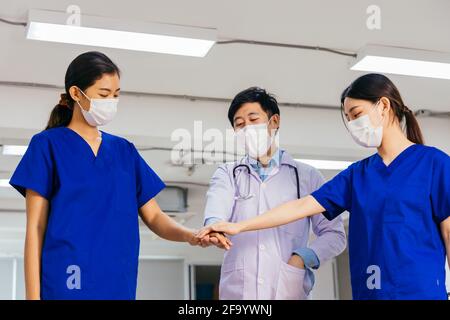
(276, 121)
(75, 93)
(385, 105)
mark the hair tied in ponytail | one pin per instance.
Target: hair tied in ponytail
(371, 87)
(82, 73)
(63, 101)
(406, 109)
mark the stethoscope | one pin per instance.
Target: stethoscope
(249, 195)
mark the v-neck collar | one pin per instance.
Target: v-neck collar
(87, 144)
(394, 163)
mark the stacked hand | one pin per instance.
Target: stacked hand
(214, 238)
(222, 227)
(214, 234)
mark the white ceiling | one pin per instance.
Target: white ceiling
(300, 76)
(294, 75)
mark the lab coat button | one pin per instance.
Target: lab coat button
(262, 247)
(260, 281)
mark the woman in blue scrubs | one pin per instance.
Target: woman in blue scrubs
(84, 191)
(398, 199)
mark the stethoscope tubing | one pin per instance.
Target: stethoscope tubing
(248, 196)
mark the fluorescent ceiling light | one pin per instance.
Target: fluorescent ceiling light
(327, 164)
(10, 150)
(393, 60)
(4, 183)
(110, 33)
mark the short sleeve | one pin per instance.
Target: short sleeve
(36, 168)
(148, 183)
(335, 195)
(440, 188)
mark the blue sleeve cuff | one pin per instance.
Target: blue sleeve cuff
(211, 220)
(309, 257)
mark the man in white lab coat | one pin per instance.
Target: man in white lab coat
(273, 263)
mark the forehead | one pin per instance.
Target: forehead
(351, 104)
(107, 80)
(248, 108)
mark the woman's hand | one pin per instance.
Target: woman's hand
(216, 238)
(221, 227)
(192, 239)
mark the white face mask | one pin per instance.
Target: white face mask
(255, 139)
(101, 111)
(364, 133)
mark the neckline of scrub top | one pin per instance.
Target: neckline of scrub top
(394, 163)
(87, 144)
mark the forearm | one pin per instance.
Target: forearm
(167, 228)
(284, 214)
(37, 215)
(32, 264)
(447, 247)
(445, 233)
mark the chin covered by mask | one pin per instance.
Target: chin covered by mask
(101, 111)
(365, 133)
(255, 139)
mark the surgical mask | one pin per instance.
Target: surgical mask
(101, 111)
(255, 139)
(364, 133)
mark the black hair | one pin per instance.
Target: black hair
(254, 94)
(372, 87)
(82, 72)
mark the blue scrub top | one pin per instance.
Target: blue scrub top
(395, 245)
(91, 243)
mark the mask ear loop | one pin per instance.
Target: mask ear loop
(346, 121)
(78, 102)
(275, 134)
(382, 117)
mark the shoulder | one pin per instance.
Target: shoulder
(362, 164)
(225, 171)
(115, 139)
(434, 152)
(119, 142)
(436, 156)
(45, 137)
(306, 168)
(227, 167)
(49, 134)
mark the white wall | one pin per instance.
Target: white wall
(149, 120)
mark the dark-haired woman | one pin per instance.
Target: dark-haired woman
(84, 190)
(398, 199)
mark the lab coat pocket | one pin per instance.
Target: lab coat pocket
(291, 283)
(231, 281)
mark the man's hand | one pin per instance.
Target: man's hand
(296, 261)
(217, 239)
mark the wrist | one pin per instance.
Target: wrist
(242, 226)
(189, 234)
(299, 257)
